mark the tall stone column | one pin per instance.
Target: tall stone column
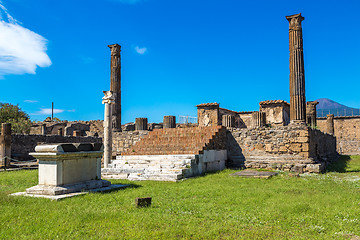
(297, 74)
(43, 129)
(115, 85)
(169, 122)
(330, 124)
(108, 100)
(311, 113)
(5, 144)
(60, 132)
(141, 124)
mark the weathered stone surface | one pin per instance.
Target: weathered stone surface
(208, 114)
(254, 174)
(169, 122)
(5, 144)
(330, 124)
(115, 85)
(141, 124)
(259, 119)
(228, 121)
(284, 147)
(297, 73)
(143, 202)
(277, 112)
(311, 113)
(347, 133)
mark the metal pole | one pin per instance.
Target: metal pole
(52, 110)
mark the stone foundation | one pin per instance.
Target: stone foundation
(165, 167)
(292, 147)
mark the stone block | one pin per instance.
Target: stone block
(259, 147)
(305, 147)
(282, 149)
(268, 147)
(302, 139)
(143, 202)
(304, 133)
(295, 147)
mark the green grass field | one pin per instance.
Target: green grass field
(215, 206)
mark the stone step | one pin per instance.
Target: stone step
(155, 157)
(143, 176)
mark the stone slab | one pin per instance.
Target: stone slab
(254, 174)
(69, 195)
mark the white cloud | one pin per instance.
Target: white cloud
(47, 111)
(140, 50)
(31, 101)
(21, 50)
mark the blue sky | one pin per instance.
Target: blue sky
(175, 54)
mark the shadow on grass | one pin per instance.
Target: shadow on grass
(341, 165)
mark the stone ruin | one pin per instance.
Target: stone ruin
(279, 136)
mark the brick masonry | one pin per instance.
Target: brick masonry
(169, 141)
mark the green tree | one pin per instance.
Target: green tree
(20, 121)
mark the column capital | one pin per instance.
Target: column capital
(295, 21)
(115, 49)
(108, 98)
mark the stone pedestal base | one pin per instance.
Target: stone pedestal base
(66, 189)
(37, 188)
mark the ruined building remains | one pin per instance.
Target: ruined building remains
(297, 74)
(311, 113)
(115, 85)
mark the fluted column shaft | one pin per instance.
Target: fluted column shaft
(228, 121)
(297, 73)
(259, 119)
(141, 124)
(115, 86)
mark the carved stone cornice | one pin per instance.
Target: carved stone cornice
(295, 21)
(108, 98)
(115, 49)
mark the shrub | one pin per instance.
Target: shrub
(20, 121)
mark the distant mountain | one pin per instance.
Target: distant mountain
(328, 106)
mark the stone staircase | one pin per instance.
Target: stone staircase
(151, 167)
(170, 141)
(171, 154)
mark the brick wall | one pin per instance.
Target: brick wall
(347, 133)
(169, 141)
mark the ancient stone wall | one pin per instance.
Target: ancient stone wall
(122, 141)
(282, 147)
(347, 133)
(86, 128)
(22, 145)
